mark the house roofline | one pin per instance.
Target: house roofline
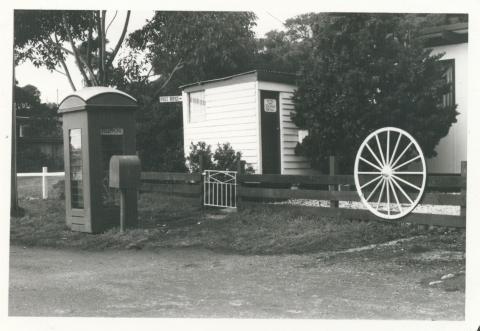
(260, 75)
(449, 34)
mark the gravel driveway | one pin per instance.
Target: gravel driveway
(381, 283)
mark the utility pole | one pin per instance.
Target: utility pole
(14, 208)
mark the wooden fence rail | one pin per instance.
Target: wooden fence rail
(440, 190)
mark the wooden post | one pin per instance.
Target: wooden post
(240, 171)
(122, 210)
(201, 169)
(44, 183)
(333, 171)
(463, 172)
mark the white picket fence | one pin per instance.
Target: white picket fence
(44, 174)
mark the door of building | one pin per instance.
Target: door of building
(270, 128)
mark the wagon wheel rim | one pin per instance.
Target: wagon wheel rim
(390, 173)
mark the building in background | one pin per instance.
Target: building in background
(251, 111)
(452, 41)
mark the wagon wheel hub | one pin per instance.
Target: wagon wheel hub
(387, 171)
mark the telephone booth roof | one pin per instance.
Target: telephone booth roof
(97, 97)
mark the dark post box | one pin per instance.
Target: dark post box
(125, 176)
(98, 122)
(124, 171)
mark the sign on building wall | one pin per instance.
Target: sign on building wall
(270, 105)
(170, 98)
(111, 131)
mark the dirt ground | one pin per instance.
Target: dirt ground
(385, 282)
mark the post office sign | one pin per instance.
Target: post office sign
(270, 105)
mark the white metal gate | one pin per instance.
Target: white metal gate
(220, 188)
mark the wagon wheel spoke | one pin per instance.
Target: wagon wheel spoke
(403, 191)
(401, 154)
(374, 155)
(395, 196)
(408, 173)
(375, 188)
(388, 197)
(407, 183)
(396, 146)
(407, 162)
(380, 149)
(381, 194)
(370, 182)
(371, 164)
(388, 147)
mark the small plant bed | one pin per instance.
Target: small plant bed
(170, 221)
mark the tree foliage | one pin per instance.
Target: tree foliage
(40, 120)
(286, 50)
(179, 48)
(48, 37)
(196, 46)
(364, 72)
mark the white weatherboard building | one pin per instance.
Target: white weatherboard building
(452, 41)
(252, 111)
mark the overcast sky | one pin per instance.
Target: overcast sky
(54, 86)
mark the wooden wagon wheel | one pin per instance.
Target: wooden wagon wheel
(390, 173)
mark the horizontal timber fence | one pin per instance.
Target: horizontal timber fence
(440, 190)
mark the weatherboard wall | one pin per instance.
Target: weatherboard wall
(452, 149)
(230, 116)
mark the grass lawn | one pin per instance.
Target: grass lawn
(169, 221)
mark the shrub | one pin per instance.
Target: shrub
(193, 158)
(224, 157)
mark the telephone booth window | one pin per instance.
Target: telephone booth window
(76, 168)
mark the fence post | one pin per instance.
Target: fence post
(44, 183)
(240, 171)
(333, 171)
(201, 168)
(463, 173)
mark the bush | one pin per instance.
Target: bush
(197, 151)
(224, 158)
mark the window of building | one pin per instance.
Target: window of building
(449, 75)
(196, 106)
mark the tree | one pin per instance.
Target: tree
(42, 117)
(172, 49)
(193, 46)
(286, 50)
(364, 72)
(39, 120)
(48, 37)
